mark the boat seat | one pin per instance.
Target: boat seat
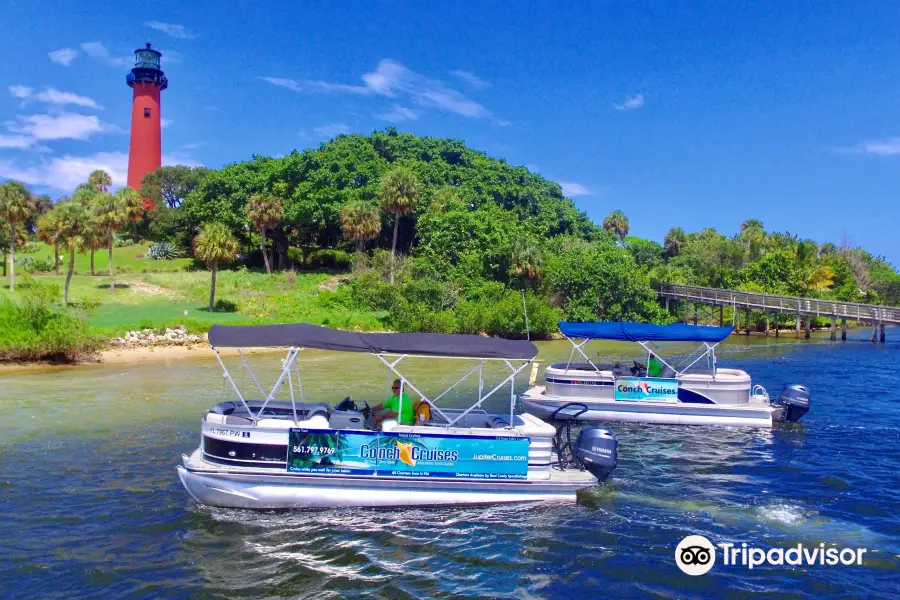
(317, 421)
(581, 366)
(274, 409)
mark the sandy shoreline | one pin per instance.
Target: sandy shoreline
(136, 355)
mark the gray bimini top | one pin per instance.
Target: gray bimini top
(419, 344)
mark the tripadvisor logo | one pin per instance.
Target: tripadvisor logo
(696, 555)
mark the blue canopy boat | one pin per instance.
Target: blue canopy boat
(693, 391)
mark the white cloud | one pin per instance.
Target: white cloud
(63, 56)
(19, 142)
(58, 127)
(330, 130)
(290, 84)
(632, 103)
(67, 172)
(885, 147)
(52, 96)
(171, 29)
(98, 50)
(95, 49)
(391, 79)
(572, 189)
(472, 79)
(398, 114)
(20, 91)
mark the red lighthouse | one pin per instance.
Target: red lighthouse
(145, 150)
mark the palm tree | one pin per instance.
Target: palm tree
(674, 241)
(213, 245)
(398, 192)
(110, 215)
(617, 224)
(819, 279)
(100, 180)
(754, 234)
(92, 238)
(134, 207)
(49, 230)
(527, 261)
(360, 222)
(265, 212)
(15, 207)
(74, 222)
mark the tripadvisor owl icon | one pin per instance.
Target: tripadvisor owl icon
(695, 555)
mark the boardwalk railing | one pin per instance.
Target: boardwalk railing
(781, 304)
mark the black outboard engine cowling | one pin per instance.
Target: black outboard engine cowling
(795, 400)
(597, 450)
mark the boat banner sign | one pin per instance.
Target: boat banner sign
(648, 389)
(354, 452)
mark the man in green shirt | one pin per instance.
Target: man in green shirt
(654, 368)
(396, 404)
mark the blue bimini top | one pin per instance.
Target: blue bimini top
(645, 332)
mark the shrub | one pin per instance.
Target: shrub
(31, 264)
(39, 329)
(163, 250)
(371, 292)
(331, 259)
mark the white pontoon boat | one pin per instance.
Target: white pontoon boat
(695, 392)
(270, 454)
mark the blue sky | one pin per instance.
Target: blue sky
(694, 114)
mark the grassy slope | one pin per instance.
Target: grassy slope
(159, 293)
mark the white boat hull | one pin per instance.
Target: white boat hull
(756, 413)
(228, 487)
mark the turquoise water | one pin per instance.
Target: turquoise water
(90, 504)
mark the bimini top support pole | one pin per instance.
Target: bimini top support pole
(578, 347)
(515, 371)
(230, 380)
(292, 355)
(652, 351)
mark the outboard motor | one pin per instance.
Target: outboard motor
(795, 400)
(597, 450)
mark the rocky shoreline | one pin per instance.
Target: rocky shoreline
(147, 337)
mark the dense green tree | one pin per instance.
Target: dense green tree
(598, 281)
(170, 185)
(360, 222)
(646, 253)
(617, 224)
(399, 191)
(264, 212)
(16, 207)
(214, 245)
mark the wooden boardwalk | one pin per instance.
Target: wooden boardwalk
(800, 308)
